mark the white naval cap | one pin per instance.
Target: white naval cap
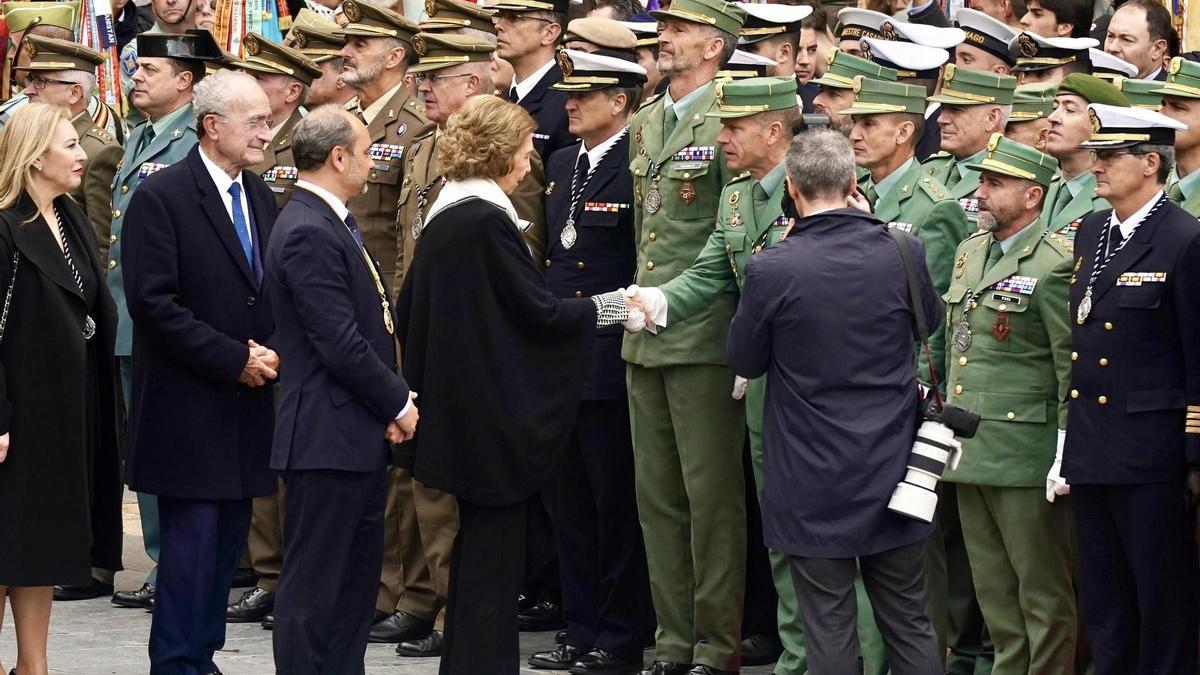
(907, 58)
(763, 21)
(745, 64)
(1120, 127)
(744, 58)
(854, 23)
(1034, 52)
(926, 36)
(646, 32)
(986, 32)
(585, 71)
(1105, 64)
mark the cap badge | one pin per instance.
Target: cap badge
(430, 7)
(1027, 45)
(888, 31)
(352, 11)
(565, 64)
(420, 45)
(251, 45)
(30, 49)
(300, 40)
(1095, 121)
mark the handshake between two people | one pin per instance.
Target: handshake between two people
(647, 309)
(261, 367)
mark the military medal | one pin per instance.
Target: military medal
(1085, 306)
(962, 336)
(1102, 260)
(1002, 327)
(568, 235)
(653, 197)
(687, 193)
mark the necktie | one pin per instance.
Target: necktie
(669, 121)
(147, 138)
(953, 178)
(1115, 237)
(582, 167)
(243, 230)
(1175, 193)
(512, 95)
(352, 225)
(871, 193)
(995, 253)
(1061, 200)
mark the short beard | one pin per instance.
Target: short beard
(362, 76)
(678, 65)
(987, 221)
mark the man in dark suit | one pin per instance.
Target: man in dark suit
(201, 419)
(341, 399)
(606, 590)
(1132, 454)
(1141, 32)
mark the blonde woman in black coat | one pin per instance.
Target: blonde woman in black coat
(60, 489)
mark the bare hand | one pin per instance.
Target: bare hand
(265, 354)
(4, 448)
(856, 200)
(404, 427)
(256, 373)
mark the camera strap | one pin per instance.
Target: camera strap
(918, 309)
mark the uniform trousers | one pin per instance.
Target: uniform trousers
(688, 436)
(147, 503)
(333, 550)
(895, 582)
(264, 546)
(1137, 573)
(404, 583)
(1022, 562)
(202, 541)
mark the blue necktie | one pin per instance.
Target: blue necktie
(243, 230)
(352, 225)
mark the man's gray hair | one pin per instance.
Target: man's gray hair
(820, 163)
(1166, 157)
(215, 93)
(82, 78)
(315, 136)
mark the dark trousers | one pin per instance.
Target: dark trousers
(1137, 574)
(606, 589)
(895, 582)
(541, 548)
(201, 542)
(485, 578)
(760, 610)
(333, 551)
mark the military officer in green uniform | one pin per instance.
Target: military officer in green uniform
(688, 432)
(1009, 359)
(316, 38)
(975, 105)
(837, 86)
(1072, 196)
(1029, 122)
(458, 16)
(285, 74)
(1181, 101)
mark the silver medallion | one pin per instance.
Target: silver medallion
(568, 235)
(1085, 307)
(417, 226)
(89, 327)
(653, 199)
(962, 337)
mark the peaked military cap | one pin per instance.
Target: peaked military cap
(644, 28)
(764, 21)
(1108, 67)
(455, 15)
(1032, 102)
(1183, 79)
(989, 34)
(1034, 52)
(742, 98)
(47, 54)
(728, 16)
(367, 20)
(973, 87)
(873, 97)
(194, 45)
(908, 59)
(559, 6)
(1122, 127)
(1141, 93)
(1092, 89)
(585, 71)
(1010, 158)
(854, 23)
(315, 37)
(745, 64)
(227, 61)
(20, 16)
(920, 34)
(264, 56)
(442, 50)
(602, 32)
(842, 68)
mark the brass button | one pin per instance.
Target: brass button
(687, 176)
(1102, 400)
(112, 264)
(1074, 356)
(974, 304)
(1011, 415)
(112, 238)
(655, 236)
(1107, 325)
(758, 249)
(728, 248)
(579, 294)
(1003, 307)
(958, 389)
(124, 189)
(116, 213)
(579, 264)
(372, 175)
(547, 262)
(1074, 393)
(650, 265)
(1104, 362)
(962, 360)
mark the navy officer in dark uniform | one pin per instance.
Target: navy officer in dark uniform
(1132, 452)
(589, 216)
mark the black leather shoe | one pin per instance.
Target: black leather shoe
(268, 622)
(543, 616)
(560, 638)
(604, 662)
(430, 645)
(701, 669)
(252, 606)
(96, 589)
(668, 668)
(400, 627)
(243, 578)
(759, 649)
(139, 599)
(557, 659)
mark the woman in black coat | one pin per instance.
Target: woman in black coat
(60, 487)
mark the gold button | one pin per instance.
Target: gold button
(112, 238)
(962, 360)
(758, 249)
(124, 189)
(1074, 393)
(1011, 415)
(579, 264)
(1074, 356)
(407, 180)
(655, 236)
(1102, 400)
(547, 262)
(117, 213)
(112, 264)
(372, 175)
(650, 265)
(1104, 362)
(958, 389)
(1107, 325)
(728, 248)
(1003, 307)
(687, 176)
(974, 304)
(579, 294)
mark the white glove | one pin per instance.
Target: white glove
(655, 302)
(636, 321)
(1056, 485)
(739, 387)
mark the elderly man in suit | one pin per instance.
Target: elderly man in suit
(201, 420)
(342, 399)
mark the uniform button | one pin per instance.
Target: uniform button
(1104, 362)
(407, 180)
(1102, 400)
(579, 264)
(958, 389)
(116, 213)
(1011, 415)
(112, 238)
(1074, 393)
(1003, 308)
(655, 236)
(250, 300)
(124, 189)
(372, 175)
(728, 248)
(962, 360)
(650, 265)
(1107, 325)
(1074, 356)
(579, 294)
(547, 262)
(687, 176)
(112, 264)
(974, 304)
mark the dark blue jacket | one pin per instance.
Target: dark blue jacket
(603, 256)
(1136, 367)
(548, 108)
(825, 314)
(339, 383)
(195, 432)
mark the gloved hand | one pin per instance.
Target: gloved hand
(1192, 487)
(636, 321)
(652, 302)
(1056, 485)
(739, 387)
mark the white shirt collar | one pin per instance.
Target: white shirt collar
(525, 86)
(1154, 75)
(1135, 218)
(326, 196)
(219, 177)
(597, 153)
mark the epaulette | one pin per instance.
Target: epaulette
(101, 134)
(740, 177)
(934, 188)
(1061, 243)
(650, 101)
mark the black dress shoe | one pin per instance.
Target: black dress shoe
(560, 638)
(96, 589)
(604, 662)
(268, 622)
(759, 649)
(701, 669)
(140, 599)
(556, 659)
(243, 578)
(668, 668)
(430, 645)
(252, 606)
(542, 616)
(400, 627)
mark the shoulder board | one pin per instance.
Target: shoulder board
(650, 101)
(428, 133)
(975, 234)
(934, 188)
(1059, 243)
(740, 177)
(101, 134)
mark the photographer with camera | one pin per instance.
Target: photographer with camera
(826, 314)
(1009, 359)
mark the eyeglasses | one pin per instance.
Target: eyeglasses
(252, 123)
(434, 78)
(1109, 155)
(39, 83)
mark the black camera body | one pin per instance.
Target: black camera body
(963, 422)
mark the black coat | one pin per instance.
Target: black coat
(340, 387)
(60, 516)
(825, 314)
(195, 432)
(930, 142)
(498, 360)
(1148, 335)
(603, 257)
(548, 108)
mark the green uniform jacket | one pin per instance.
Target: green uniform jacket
(944, 167)
(1017, 384)
(1191, 204)
(168, 147)
(922, 206)
(278, 167)
(690, 175)
(1067, 220)
(94, 193)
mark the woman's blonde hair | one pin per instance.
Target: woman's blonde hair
(24, 139)
(482, 138)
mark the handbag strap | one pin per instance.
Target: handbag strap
(902, 240)
(16, 260)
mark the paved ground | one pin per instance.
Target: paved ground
(95, 638)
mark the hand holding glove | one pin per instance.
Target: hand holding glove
(1056, 485)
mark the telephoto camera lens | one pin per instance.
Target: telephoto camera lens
(934, 449)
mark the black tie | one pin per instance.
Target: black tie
(581, 169)
(353, 227)
(1114, 239)
(512, 95)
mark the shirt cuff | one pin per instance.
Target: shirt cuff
(656, 302)
(404, 410)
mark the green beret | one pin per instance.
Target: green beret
(1092, 90)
